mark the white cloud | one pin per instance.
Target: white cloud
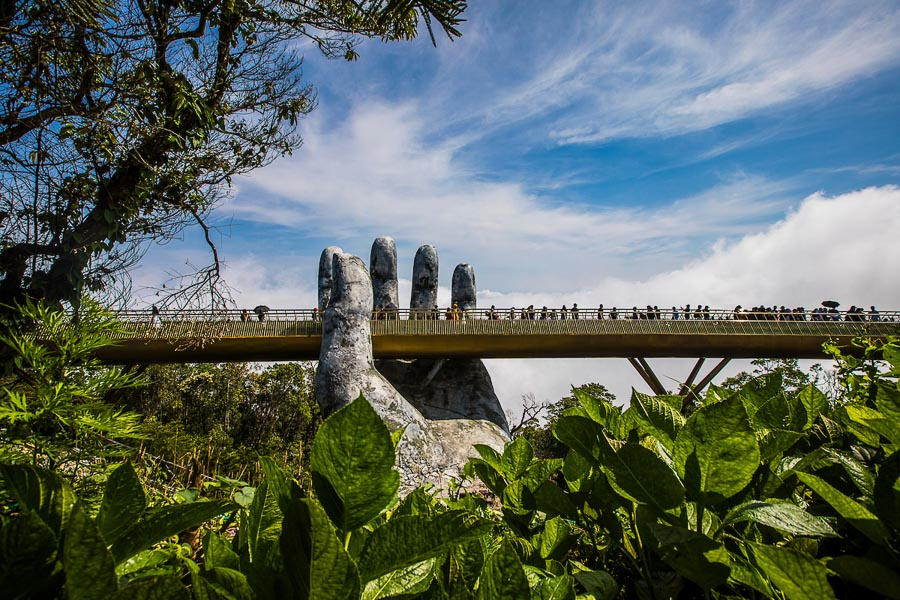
(378, 174)
(624, 70)
(842, 246)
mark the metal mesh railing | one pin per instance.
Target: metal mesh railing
(305, 322)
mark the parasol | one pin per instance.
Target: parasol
(830, 303)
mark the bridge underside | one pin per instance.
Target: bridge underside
(270, 341)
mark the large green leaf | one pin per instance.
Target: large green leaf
(868, 574)
(503, 576)
(887, 491)
(716, 451)
(490, 476)
(758, 391)
(639, 475)
(657, 417)
(581, 435)
(887, 399)
(519, 504)
(40, 491)
(160, 523)
(783, 516)
(798, 575)
(814, 402)
(858, 472)
(405, 541)
(221, 582)
(333, 575)
(407, 581)
(253, 521)
(747, 574)
(295, 541)
(123, 503)
(561, 587)
(539, 472)
(28, 555)
(856, 417)
(598, 584)
(598, 410)
(313, 557)
(490, 456)
(352, 462)
(550, 499)
(855, 513)
(576, 471)
(90, 570)
(465, 563)
(158, 587)
(555, 539)
(773, 442)
(517, 456)
(692, 554)
(780, 412)
(217, 552)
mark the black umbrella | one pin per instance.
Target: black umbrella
(261, 308)
(830, 303)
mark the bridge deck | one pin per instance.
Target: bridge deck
(234, 340)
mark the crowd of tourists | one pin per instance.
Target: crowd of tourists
(676, 313)
(698, 312)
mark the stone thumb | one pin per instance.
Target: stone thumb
(346, 368)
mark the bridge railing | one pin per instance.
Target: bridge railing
(506, 314)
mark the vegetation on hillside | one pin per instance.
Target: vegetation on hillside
(764, 490)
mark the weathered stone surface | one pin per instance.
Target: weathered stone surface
(346, 368)
(383, 267)
(325, 262)
(425, 278)
(463, 288)
(446, 389)
(447, 406)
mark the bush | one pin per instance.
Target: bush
(759, 492)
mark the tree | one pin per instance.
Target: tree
(123, 121)
(225, 415)
(792, 377)
(541, 435)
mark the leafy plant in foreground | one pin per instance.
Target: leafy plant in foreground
(759, 492)
(53, 400)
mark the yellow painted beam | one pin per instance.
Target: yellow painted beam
(208, 341)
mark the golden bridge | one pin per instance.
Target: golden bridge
(201, 336)
(281, 335)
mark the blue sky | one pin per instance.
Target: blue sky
(625, 153)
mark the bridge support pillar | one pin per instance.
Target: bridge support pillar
(688, 389)
(643, 368)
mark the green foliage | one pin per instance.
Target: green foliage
(354, 472)
(66, 549)
(766, 488)
(218, 418)
(760, 492)
(54, 408)
(537, 422)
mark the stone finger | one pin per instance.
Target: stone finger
(463, 288)
(325, 275)
(383, 267)
(424, 279)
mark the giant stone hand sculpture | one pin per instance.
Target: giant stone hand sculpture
(447, 405)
